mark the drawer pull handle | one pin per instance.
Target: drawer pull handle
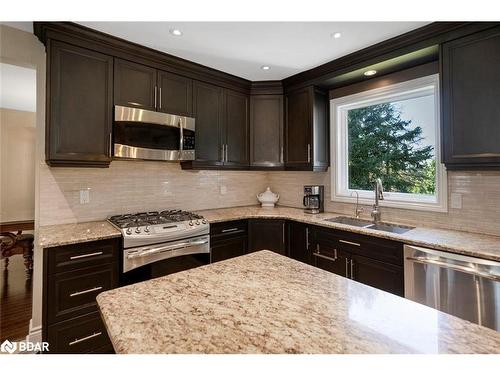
(350, 243)
(229, 230)
(317, 254)
(86, 255)
(85, 291)
(77, 341)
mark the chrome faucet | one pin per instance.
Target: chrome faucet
(357, 210)
(379, 195)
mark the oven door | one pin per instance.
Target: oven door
(139, 256)
(149, 135)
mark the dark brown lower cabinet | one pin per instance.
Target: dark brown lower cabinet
(380, 275)
(228, 240)
(298, 242)
(267, 234)
(72, 280)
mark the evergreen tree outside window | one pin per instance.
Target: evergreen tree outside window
(390, 133)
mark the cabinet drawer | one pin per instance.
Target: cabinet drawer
(72, 257)
(73, 293)
(371, 247)
(80, 335)
(228, 228)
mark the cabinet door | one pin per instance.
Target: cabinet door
(298, 242)
(236, 123)
(298, 129)
(266, 130)
(327, 254)
(135, 85)
(79, 106)
(380, 275)
(470, 98)
(175, 94)
(267, 234)
(228, 248)
(208, 110)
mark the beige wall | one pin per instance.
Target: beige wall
(17, 165)
(480, 210)
(134, 186)
(22, 48)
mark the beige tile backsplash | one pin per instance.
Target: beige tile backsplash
(480, 210)
(131, 186)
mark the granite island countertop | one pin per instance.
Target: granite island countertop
(473, 244)
(266, 303)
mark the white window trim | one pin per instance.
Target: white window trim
(339, 144)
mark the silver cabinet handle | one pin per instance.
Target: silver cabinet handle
(308, 152)
(229, 230)
(346, 267)
(86, 255)
(226, 152)
(159, 99)
(283, 233)
(110, 144)
(77, 341)
(282, 156)
(307, 238)
(350, 243)
(455, 267)
(319, 255)
(222, 157)
(85, 291)
(352, 269)
(156, 90)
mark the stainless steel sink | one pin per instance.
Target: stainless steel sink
(386, 227)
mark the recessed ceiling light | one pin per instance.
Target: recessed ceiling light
(265, 67)
(336, 35)
(370, 73)
(175, 32)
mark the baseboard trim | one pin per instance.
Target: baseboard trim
(35, 333)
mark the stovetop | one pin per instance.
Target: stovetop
(142, 219)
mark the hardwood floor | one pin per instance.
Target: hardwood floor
(15, 307)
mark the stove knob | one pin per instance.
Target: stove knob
(129, 231)
(204, 221)
(137, 230)
(197, 222)
(191, 223)
(146, 229)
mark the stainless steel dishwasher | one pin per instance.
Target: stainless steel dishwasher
(459, 285)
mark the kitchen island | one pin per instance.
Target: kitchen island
(266, 303)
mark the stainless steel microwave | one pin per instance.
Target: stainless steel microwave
(150, 135)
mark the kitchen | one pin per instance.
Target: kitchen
(346, 208)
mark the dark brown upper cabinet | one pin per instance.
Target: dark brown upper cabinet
(235, 135)
(209, 113)
(141, 86)
(470, 101)
(306, 130)
(175, 94)
(222, 128)
(135, 85)
(266, 131)
(79, 106)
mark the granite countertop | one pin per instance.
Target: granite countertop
(266, 303)
(66, 234)
(473, 244)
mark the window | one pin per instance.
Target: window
(391, 133)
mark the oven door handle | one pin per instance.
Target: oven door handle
(161, 249)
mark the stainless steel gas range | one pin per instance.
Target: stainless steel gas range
(161, 242)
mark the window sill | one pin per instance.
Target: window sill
(398, 204)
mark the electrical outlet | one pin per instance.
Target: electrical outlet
(456, 200)
(223, 190)
(85, 196)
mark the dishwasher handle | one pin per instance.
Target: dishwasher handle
(455, 267)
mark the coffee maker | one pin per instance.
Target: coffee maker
(313, 199)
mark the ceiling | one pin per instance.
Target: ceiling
(242, 48)
(17, 88)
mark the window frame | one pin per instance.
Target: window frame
(339, 107)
